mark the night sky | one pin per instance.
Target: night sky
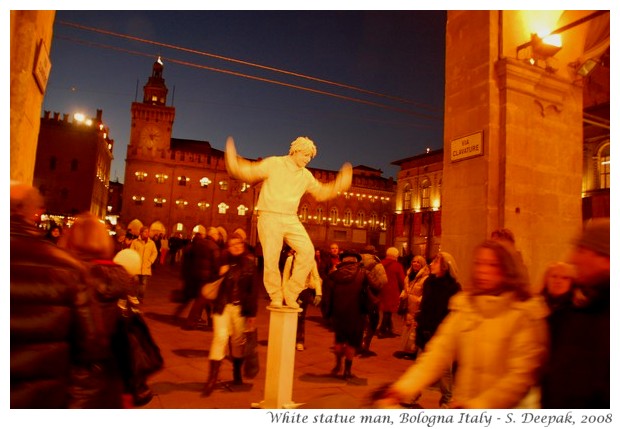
(395, 57)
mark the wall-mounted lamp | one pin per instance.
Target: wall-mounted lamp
(587, 67)
(547, 46)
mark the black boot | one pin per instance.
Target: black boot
(214, 369)
(237, 365)
(347, 369)
(336, 370)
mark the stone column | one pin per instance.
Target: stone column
(527, 174)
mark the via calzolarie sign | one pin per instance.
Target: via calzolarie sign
(467, 147)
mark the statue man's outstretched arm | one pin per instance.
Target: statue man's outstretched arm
(240, 168)
(326, 191)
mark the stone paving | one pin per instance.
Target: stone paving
(179, 384)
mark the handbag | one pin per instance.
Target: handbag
(250, 363)
(210, 290)
(138, 354)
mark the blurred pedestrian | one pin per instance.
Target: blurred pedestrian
(377, 279)
(389, 295)
(344, 295)
(148, 255)
(558, 285)
(54, 233)
(164, 249)
(577, 374)
(53, 330)
(234, 311)
(416, 275)
(285, 179)
(89, 241)
(494, 335)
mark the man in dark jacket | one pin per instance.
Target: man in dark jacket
(577, 375)
(53, 326)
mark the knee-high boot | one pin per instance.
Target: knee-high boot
(237, 365)
(348, 363)
(214, 369)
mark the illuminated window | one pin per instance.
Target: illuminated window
(319, 215)
(159, 201)
(203, 205)
(140, 175)
(333, 216)
(303, 213)
(360, 221)
(181, 203)
(407, 197)
(161, 178)
(242, 210)
(204, 182)
(384, 222)
(425, 194)
(374, 220)
(348, 217)
(183, 180)
(223, 185)
(222, 208)
(138, 199)
(244, 187)
(604, 168)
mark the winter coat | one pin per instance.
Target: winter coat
(147, 252)
(377, 277)
(390, 293)
(241, 283)
(54, 328)
(436, 293)
(343, 301)
(200, 264)
(498, 344)
(413, 290)
(577, 375)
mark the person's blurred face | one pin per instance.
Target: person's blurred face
(144, 234)
(301, 158)
(333, 250)
(435, 267)
(487, 271)
(415, 264)
(55, 232)
(236, 246)
(590, 266)
(558, 281)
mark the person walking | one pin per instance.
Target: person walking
(234, 311)
(285, 179)
(345, 298)
(148, 255)
(377, 279)
(389, 296)
(577, 374)
(495, 333)
(52, 315)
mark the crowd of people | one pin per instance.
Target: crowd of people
(494, 340)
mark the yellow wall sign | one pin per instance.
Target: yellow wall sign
(466, 147)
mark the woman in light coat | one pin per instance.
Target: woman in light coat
(495, 332)
(414, 280)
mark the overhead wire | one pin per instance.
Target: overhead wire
(247, 63)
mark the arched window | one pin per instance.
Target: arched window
(303, 213)
(333, 216)
(319, 215)
(242, 210)
(384, 222)
(425, 193)
(604, 167)
(348, 217)
(407, 197)
(360, 221)
(374, 220)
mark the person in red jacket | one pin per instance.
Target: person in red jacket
(390, 293)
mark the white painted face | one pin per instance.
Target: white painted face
(301, 158)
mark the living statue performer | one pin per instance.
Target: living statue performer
(285, 180)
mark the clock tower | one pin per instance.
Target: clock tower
(151, 120)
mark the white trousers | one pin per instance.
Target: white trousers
(229, 324)
(274, 229)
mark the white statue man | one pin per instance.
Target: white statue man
(285, 180)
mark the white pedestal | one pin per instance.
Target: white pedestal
(280, 358)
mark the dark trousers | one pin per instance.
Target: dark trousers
(370, 326)
(306, 297)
